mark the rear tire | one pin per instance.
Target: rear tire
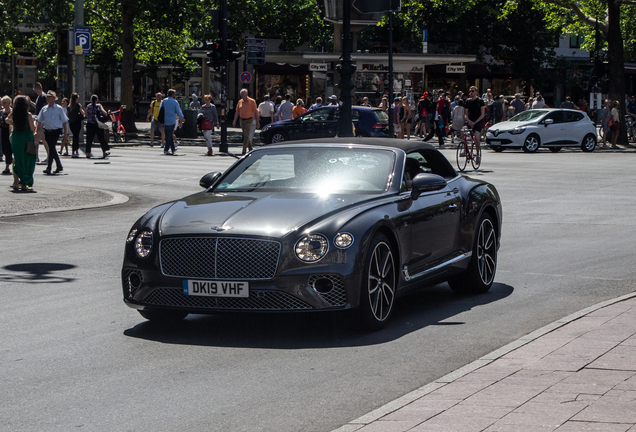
(163, 316)
(476, 159)
(589, 143)
(480, 274)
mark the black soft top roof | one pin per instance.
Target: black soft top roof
(439, 164)
(406, 145)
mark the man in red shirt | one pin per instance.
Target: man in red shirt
(247, 110)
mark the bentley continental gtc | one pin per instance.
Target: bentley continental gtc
(318, 225)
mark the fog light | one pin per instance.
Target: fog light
(323, 285)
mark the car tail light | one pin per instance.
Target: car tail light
(378, 125)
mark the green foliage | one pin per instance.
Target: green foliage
(44, 47)
(294, 22)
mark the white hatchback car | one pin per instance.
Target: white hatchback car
(551, 128)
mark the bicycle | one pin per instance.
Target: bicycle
(630, 124)
(119, 132)
(466, 151)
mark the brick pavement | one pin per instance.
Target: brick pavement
(577, 374)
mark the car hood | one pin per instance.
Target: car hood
(248, 213)
(508, 125)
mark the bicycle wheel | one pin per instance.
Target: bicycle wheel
(476, 159)
(462, 156)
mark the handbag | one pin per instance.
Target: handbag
(31, 148)
(161, 118)
(610, 123)
(206, 125)
(102, 125)
(101, 116)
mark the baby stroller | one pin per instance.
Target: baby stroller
(118, 130)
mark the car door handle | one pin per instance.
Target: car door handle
(452, 207)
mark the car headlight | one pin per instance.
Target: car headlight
(518, 130)
(143, 243)
(312, 247)
(343, 240)
(266, 128)
(131, 235)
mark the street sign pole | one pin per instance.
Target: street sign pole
(223, 146)
(80, 80)
(391, 74)
(346, 68)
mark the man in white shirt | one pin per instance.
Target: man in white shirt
(52, 119)
(265, 111)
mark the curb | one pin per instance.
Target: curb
(117, 198)
(412, 396)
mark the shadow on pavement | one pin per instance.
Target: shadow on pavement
(36, 273)
(428, 307)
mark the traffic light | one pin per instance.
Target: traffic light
(214, 54)
(233, 55)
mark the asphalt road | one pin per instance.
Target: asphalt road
(74, 357)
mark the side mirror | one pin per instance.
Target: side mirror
(427, 183)
(209, 179)
(548, 122)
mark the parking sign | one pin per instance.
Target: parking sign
(83, 40)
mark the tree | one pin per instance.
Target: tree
(615, 20)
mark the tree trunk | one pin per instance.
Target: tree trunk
(616, 61)
(127, 65)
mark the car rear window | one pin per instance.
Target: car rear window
(572, 116)
(382, 116)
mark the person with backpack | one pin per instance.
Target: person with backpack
(442, 108)
(155, 125)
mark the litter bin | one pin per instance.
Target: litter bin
(189, 128)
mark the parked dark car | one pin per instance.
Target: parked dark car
(323, 123)
(322, 225)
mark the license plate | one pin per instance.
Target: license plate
(493, 141)
(211, 288)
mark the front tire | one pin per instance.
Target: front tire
(163, 316)
(531, 143)
(480, 274)
(461, 157)
(279, 137)
(589, 143)
(377, 295)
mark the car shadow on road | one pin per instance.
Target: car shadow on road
(432, 306)
(39, 272)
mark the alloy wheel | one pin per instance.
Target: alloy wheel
(381, 285)
(486, 251)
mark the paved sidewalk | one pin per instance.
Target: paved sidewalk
(53, 198)
(577, 374)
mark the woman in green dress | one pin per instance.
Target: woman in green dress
(23, 129)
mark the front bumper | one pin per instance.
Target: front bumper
(149, 289)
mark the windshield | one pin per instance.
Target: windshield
(384, 117)
(529, 115)
(312, 169)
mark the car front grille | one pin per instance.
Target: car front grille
(219, 258)
(258, 300)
